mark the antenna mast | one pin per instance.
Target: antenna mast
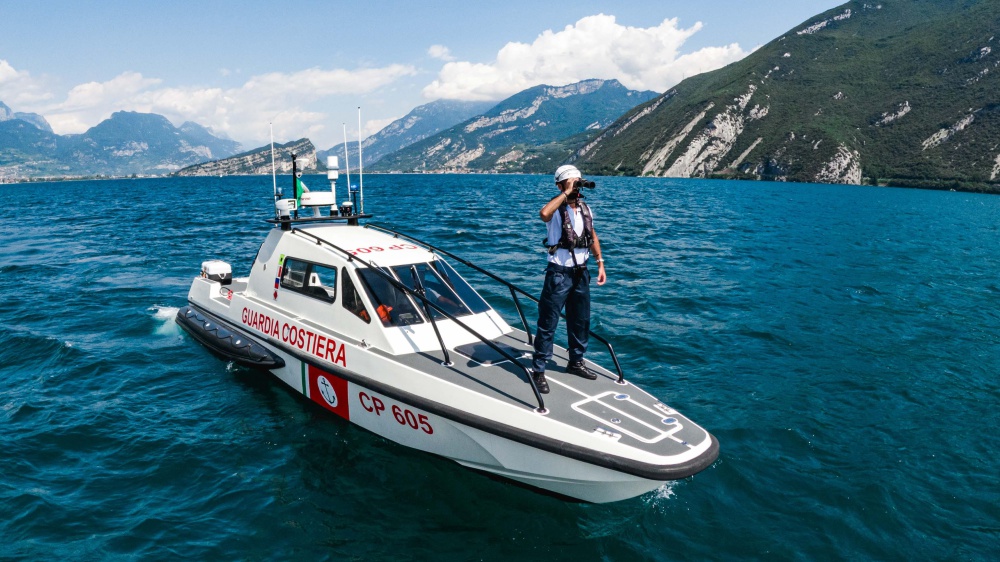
(274, 173)
(361, 166)
(347, 162)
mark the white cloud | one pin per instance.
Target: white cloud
(242, 113)
(440, 52)
(18, 88)
(594, 47)
(373, 126)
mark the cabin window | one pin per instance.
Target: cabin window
(437, 291)
(312, 279)
(468, 295)
(391, 306)
(352, 299)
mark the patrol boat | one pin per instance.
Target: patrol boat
(378, 328)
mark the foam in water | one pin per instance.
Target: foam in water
(165, 316)
(661, 495)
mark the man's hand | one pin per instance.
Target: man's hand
(570, 188)
(602, 277)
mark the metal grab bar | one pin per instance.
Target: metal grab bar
(406, 290)
(419, 288)
(511, 286)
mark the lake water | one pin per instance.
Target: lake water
(841, 343)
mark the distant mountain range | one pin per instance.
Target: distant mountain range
(422, 122)
(126, 143)
(534, 130)
(894, 92)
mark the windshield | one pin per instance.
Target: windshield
(392, 307)
(438, 292)
(469, 295)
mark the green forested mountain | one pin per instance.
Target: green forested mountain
(903, 92)
(539, 126)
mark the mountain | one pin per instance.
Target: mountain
(258, 161)
(6, 114)
(126, 143)
(533, 130)
(422, 122)
(35, 119)
(895, 92)
(218, 146)
(131, 142)
(27, 151)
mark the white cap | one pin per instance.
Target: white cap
(566, 172)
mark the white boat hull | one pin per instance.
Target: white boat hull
(480, 450)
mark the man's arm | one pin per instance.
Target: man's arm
(595, 250)
(550, 208)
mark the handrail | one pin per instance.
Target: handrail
(406, 290)
(511, 286)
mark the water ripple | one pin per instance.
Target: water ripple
(826, 335)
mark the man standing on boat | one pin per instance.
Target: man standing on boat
(571, 241)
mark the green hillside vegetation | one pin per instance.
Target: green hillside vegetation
(897, 92)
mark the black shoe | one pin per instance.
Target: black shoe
(540, 382)
(579, 369)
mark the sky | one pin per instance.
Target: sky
(241, 67)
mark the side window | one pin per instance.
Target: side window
(293, 274)
(317, 281)
(351, 298)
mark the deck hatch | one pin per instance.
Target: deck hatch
(633, 419)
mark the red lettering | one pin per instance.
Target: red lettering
(361, 398)
(379, 406)
(341, 357)
(331, 348)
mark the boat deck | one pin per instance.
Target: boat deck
(620, 412)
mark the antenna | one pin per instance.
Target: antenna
(361, 166)
(274, 173)
(347, 162)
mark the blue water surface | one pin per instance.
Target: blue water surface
(841, 343)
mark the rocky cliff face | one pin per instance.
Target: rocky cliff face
(258, 161)
(6, 114)
(899, 92)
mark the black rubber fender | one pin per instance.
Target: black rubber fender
(224, 340)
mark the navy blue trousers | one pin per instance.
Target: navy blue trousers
(563, 289)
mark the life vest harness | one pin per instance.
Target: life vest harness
(569, 239)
